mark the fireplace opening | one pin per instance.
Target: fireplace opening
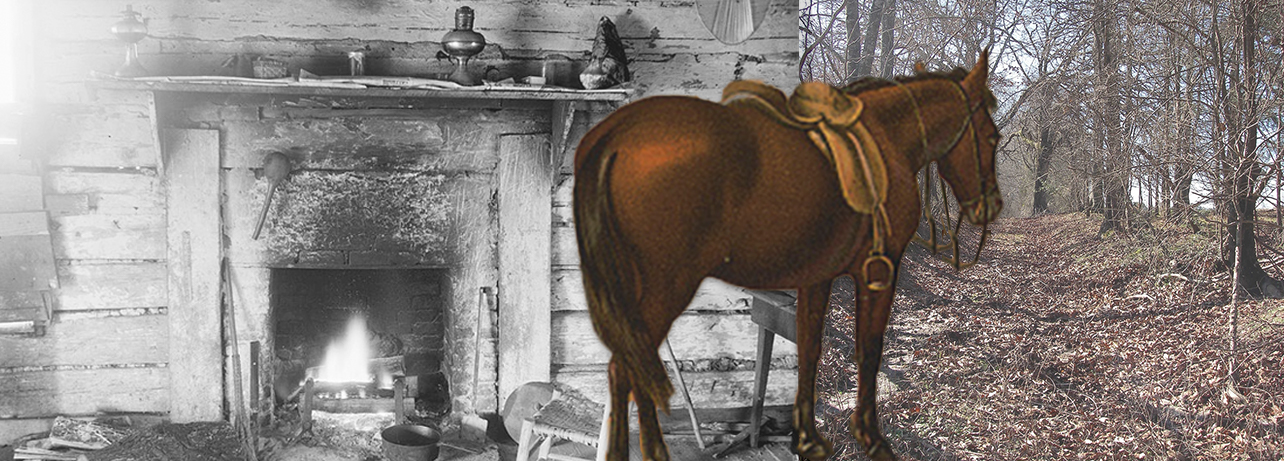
(354, 331)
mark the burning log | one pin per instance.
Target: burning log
(383, 370)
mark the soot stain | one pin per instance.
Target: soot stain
(364, 5)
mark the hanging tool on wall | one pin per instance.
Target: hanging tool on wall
(276, 167)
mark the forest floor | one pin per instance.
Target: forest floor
(1061, 344)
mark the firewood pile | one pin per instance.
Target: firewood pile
(75, 440)
(68, 440)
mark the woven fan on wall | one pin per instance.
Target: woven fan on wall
(732, 21)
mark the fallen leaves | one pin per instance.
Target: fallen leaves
(1060, 345)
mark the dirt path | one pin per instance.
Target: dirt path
(1060, 345)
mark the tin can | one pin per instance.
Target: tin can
(356, 63)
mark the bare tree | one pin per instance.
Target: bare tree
(1115, 167)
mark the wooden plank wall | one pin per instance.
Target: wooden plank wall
(107, 349)
(107, 205)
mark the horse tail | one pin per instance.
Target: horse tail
(611, 280)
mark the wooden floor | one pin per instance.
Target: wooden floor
(682, 446)
(683, 449)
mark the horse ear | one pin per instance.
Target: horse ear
(919, 67)
(980, 73)
(982, 69)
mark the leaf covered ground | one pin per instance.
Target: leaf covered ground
(1061, 344)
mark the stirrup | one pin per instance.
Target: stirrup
(891, 272)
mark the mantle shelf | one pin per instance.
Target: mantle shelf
(543, 94)
(565, 101)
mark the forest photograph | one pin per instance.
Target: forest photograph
(1127, 304)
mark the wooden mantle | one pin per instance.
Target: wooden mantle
(565, 101)
(513, 93)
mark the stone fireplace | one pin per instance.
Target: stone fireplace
(430, 217)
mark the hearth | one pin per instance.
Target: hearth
(354, 331)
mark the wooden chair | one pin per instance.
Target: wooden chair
(568, 416)
(565, 418)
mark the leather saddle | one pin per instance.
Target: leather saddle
(831, 119)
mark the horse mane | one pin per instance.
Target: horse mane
(870, 83)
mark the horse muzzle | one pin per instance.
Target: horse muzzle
(986, 209)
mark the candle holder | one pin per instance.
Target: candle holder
(462, 44)
(130, 29)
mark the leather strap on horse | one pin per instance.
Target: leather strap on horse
(831, 119)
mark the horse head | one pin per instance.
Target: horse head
(969, 165)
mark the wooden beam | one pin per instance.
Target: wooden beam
(23, 224)
(158, 146)
(26, 252)
(97, 284)
(709, 389)
(713, 294)
(20, 192)
(563, 118)
(542, 94)
(91, 342)
(525, 261)
(84, 391)
(708, 336)
(194, 254)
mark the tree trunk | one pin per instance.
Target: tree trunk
(853, 39)
(1042, 164)
(1183, 177)
(889, 25)
(1098, 202)
(1251, 276)
(1116, 171)
(866, 63)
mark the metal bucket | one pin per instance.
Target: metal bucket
(410, 442)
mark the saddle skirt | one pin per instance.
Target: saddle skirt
(831, 119)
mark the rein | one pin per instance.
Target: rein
(978, 201)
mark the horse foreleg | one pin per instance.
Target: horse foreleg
(812, 304)
(873, 310)
(651, 438)
(618, 437)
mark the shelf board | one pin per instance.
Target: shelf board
(541, 94)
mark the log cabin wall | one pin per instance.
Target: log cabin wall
(107, 350)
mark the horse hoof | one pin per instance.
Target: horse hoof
(813, 448)
(662, 455)
(880, 452)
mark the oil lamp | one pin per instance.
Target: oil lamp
(462, 44)
(130, 30)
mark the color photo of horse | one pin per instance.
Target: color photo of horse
(769, 192)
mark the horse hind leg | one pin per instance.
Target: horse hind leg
(651, 437)
(812, 304)
(663, 302)
(618, 429)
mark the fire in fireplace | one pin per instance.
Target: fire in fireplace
(353, 331)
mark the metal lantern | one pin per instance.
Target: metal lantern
(462, 44)
(130, 29)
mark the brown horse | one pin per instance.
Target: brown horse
(670, 190)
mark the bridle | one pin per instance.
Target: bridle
(980, 203)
